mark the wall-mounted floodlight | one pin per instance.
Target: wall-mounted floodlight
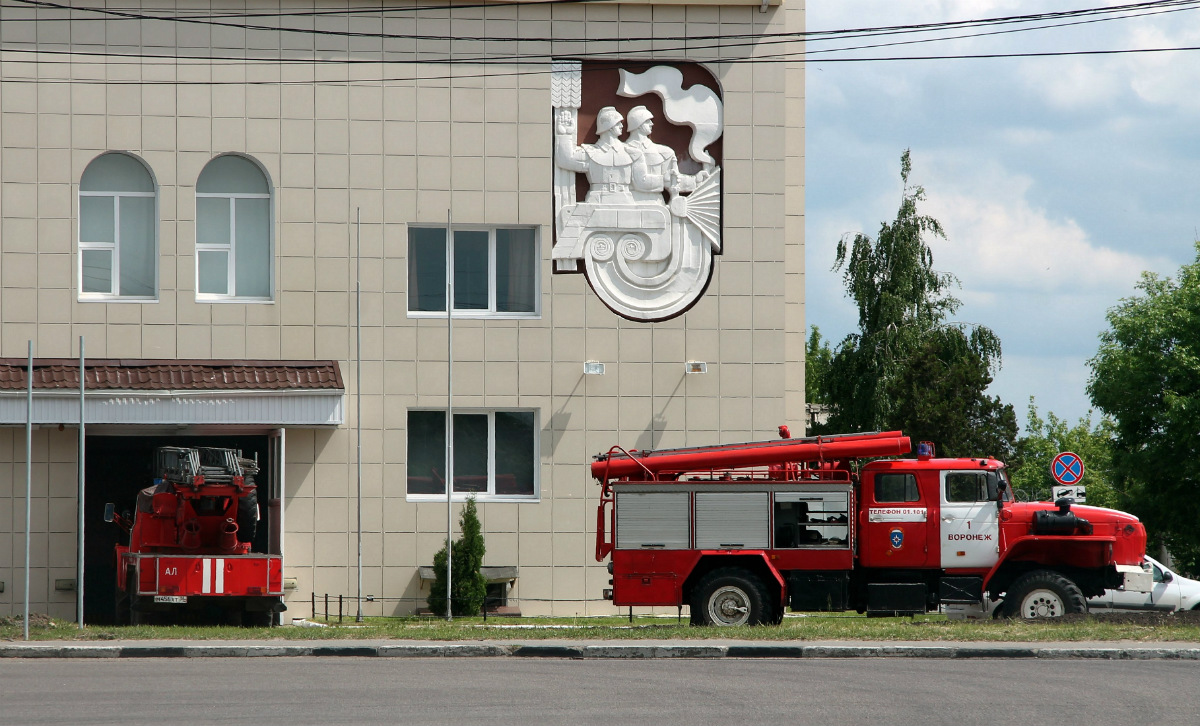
(695, 366)
(593, 368)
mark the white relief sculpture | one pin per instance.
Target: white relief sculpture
(646, 231)
(698, 107)
(566, 95)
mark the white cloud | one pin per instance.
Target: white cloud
(999, 241)
(1074, 84)
(1169, 79)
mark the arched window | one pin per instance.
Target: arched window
(118, 229)
(233, 231)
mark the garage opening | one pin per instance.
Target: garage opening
(118, 467)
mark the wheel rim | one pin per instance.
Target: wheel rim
(729, 605)
(1042, 603)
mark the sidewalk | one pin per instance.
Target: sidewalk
(605, 649)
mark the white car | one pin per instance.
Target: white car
(1171, 592)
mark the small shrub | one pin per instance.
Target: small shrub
(469, 586)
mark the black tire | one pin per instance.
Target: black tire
(127, 600)
(730, 596)
(121, 608)
(1042, 594)
(136, 615)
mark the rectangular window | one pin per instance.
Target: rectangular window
(233, 246)
(97, 270)
(495, 454)
(117, 245)
(495, 272)
(968, 486)
(894, 488)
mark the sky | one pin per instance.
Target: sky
(1058, 180)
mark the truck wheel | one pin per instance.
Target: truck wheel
(136, 616)
(121, 603)
(730, 596)
(1043, 594)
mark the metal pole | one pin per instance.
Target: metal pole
(79, 545)
(358, 394)
(28, 474)
(449, 412)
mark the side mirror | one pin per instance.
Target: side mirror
(1167, 576)
(110, 512)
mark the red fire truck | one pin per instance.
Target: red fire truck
(739, 532)
(189, 551)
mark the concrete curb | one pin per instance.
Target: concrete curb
(580, 651)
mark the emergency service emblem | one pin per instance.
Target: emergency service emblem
(897, 538)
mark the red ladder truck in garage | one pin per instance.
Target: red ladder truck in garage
(190, 539)
(739, 532)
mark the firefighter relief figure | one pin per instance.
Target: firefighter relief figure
(648, 227)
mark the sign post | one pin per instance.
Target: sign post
(1067, 469)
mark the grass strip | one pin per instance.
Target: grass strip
(809, 627)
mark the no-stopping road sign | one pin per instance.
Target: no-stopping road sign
(1067, 468)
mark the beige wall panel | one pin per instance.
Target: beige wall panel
(389, 148)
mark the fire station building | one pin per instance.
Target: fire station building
(255, 215)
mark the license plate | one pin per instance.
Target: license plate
(177, 599)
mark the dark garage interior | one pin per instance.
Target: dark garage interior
(116, 468)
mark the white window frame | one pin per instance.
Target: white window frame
(491, 312)
(231, 248)
(489, 495)
(114, 248)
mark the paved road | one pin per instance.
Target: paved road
(298, 691)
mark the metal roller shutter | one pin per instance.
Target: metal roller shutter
(652, 520)
(733, 520)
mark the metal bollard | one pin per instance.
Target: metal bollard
(327, 607)
(339, 609)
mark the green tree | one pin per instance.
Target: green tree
(469, 586)
(908, 363)
(818, 357)
(1146, 376)
(939, 396)
(1046, 438)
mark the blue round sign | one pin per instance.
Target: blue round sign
(1067, 468)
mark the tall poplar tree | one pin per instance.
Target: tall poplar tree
(908, 364)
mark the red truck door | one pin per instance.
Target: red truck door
(897, 520)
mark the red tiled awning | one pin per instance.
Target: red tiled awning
(175, 393)
(172, 375)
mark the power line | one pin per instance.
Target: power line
(769, 59)
(691, 46)
(1190, 6)
(1115, 13)
(757, 41)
